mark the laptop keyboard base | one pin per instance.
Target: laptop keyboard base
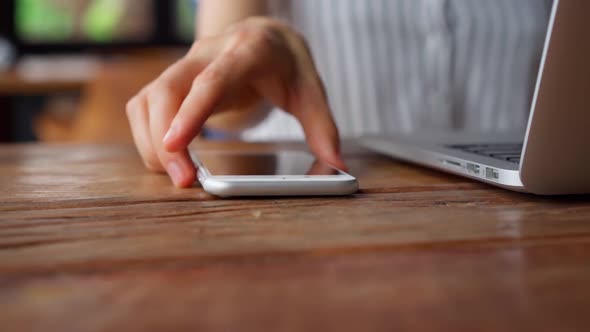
(505, 152)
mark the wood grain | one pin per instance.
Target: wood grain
(89, 240)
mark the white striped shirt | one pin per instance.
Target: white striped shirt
(403, 65)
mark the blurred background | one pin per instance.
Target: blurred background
(68, 67)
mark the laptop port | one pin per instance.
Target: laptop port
(473, 169)
(452, 163)
(492, 174)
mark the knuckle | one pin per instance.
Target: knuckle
(197, 44)
(229, 58)
(133, 105)
(251, 39)
(211, 75)
(264, 36)
(300, 41)
(160, 91)
(297, 36)
(240, 34)
(162, 88)
(152, 164)
(151, 160)
(149, 156)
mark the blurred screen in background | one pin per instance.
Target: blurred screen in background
(86, 21)
(100, 21)
(185, 19)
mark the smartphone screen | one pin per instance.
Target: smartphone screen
(281, 163)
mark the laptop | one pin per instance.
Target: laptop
(552, 156)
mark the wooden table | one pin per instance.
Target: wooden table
(13, 84)
(104, 91)
(90, 241)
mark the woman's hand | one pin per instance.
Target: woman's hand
(257, 59)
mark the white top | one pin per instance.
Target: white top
(403, 65)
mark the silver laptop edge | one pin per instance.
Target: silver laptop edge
(558, 119)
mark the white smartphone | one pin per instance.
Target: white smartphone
(282, 173)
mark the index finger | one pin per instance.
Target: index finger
(164, 100)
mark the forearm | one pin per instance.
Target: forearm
(216, 15)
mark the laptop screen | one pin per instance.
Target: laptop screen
(494, 53)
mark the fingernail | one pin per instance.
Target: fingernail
(175, 172)
(171, 134)
(341, 164)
